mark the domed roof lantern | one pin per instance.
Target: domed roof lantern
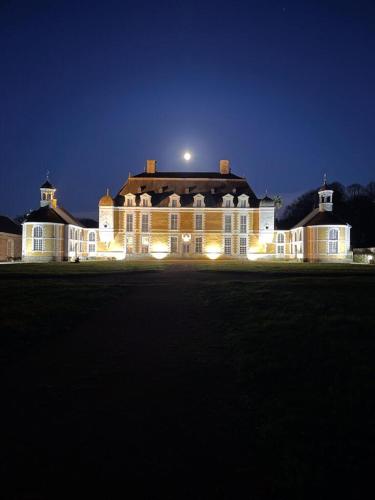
(47, 193)
(266, 201)
(106, 200)
(325, 197)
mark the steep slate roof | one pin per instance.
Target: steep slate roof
(55, 215)
(318, 218)
(161, 185)
(7, 225)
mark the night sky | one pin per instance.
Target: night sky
(90, 90)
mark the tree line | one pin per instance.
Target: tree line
(355, 204)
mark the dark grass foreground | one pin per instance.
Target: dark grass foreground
(169, 380)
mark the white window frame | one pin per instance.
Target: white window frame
(38, 245)
(145, 227)
(228, 246)
(228, 201)
(243, 226)
(199, 245)
(175, 239)
(198, 227)
(145, 200)
(333, 243)
(243, 201)
(228, 225)
(129, 222)
(280, 244)
(174, 201)
(129, 200)
(199, 198)
(242, 246)
(173, 216)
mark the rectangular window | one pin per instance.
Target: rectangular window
(333, 247)
(174, 247)
(228, 224)
(145, 223)
(38, 245)
(174, 203)
(198, 244)
(243, 224)
(227, 203)
(129, 223)
(280, 249)
(174, 221)
(199, 203)
(243, 246)
(91, 247)
(129, 244)
(198, 222)
(228, 246)
(144, 248)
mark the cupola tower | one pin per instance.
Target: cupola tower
(325, 197)
(48, 194)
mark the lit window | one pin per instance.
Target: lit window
(243, 224)
(228, 224)
(38, 239)
(145, 223)
(228, 246)
(129, 223)
(198, 222)
(333, 236)
(174, 221)
(173, 244)
(243, 246)
(145, 244)
(198, 244)
(129, 244)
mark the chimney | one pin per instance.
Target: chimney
(224, 167)
(151, 167)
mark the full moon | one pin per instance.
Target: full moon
(187, 156)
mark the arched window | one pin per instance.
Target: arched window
(92, 236)
(76, 234)
(333, 237)
(280, 238)
(38, 238)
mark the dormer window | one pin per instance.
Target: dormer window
(174, 201)
(145, 200)
(228, 201)
(130, 200)
(199, 201)
(243, 201)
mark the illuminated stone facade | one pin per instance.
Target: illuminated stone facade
(191, 215)
(217, 215)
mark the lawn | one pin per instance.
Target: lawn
(256, 376)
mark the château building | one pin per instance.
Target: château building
(185, 215)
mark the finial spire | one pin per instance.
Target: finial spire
(107, 192)
(325, 179)
(47, 175)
